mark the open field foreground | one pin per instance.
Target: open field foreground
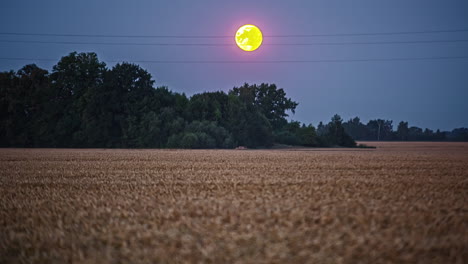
(399, 203)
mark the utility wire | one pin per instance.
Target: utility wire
(224, 45)
(267, 61)
(372, 33)
(225, 36)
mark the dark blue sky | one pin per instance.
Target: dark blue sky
(426, 93)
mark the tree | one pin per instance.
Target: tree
(131, 98)
(84, 104)
(402, 131)
(381, 129)
(268, 100)
(208, 106)
(210, 134)
(189, 140)
(74, 78)
(459, 134)
(247, 124)
(289, 134)
(11, 115)
(336, 135)
(321, 129)
(307, 136)
(149, 131)
(25, 107)
(356, 129)
(415, 133)
(258, 131)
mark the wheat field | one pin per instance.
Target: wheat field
(399, 203)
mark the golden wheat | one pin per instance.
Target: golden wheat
(399, 203)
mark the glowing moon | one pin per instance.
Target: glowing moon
(249, 37)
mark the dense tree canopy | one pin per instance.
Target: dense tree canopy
(82, 103)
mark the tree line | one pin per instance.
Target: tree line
(82, 103)
(379, 129)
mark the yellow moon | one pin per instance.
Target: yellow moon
(249, 37)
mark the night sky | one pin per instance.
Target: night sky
(429, 93)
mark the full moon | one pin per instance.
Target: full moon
(249, 37)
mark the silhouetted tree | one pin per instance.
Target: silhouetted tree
(381, 129)
(81, 103)
(336, 135)
(403, 131)
(356, 129)
(307, 136)
(270, 101)
(75, 78)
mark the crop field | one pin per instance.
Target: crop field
(399, 203)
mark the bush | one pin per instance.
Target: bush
(205, 141)
(189, 141)
(210, 135)
(286, 137)
(174, 141)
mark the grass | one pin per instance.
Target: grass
(399, 203)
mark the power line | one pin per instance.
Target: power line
(370, 42)
(225, 36)
(269, 61)
(224, 45)
(26, 59)
(372, 33)
(113, 43)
